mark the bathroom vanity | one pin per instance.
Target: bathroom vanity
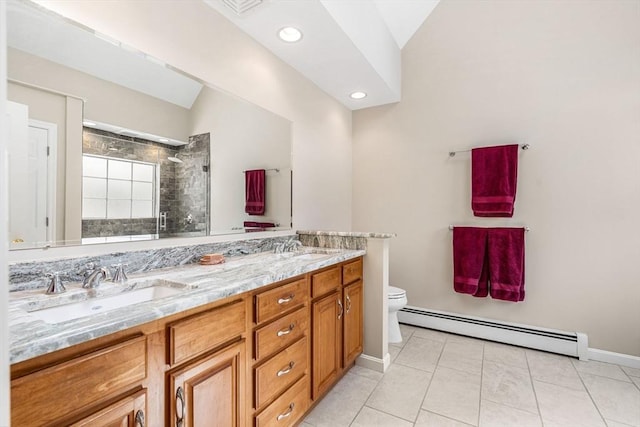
(230, 347)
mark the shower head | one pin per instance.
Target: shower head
(174, 159)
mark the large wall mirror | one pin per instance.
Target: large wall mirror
(108, 144)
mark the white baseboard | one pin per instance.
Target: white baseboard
(374, 363)
(611, 357)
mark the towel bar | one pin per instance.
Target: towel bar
(453, 153)
(451, 227)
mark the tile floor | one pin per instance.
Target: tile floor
(444, 380)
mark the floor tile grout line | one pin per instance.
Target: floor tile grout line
(535, 395)
(601, 375)
(589, 394)
(481, 380)
(369, 396)
(431, 379)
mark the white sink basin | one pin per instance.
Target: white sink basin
(76, 310)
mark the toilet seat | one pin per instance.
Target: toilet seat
(396, 293)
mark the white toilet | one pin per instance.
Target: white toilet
(397, 300)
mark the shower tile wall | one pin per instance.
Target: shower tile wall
(176, 184)
(192, 187)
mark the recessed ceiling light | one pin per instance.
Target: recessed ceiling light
(163, 140)
(358, 95)
(290, 34)
(88, 123)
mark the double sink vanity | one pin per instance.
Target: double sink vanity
(253, 341)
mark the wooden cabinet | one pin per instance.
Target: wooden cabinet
(327, 342)
(127, 412)
(210, 390)
(281, 354)
(337, 323)
(353, 298)
(352, 343)
(203, 332)
(288, 408)
(252, 360)
(74, 386)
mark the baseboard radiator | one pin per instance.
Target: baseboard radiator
(568, 343)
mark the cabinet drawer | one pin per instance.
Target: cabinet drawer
(47, 395)
(197, 334)
(289, 407)
(129, 411)
(280, 333)
(352, 271)
(271, 303)
(280, 372)
(324, 282)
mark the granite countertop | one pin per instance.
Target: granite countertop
(363, 234)
(30, 337)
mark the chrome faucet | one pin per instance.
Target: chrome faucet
(55, 284)
(93, 278)
(119, 276)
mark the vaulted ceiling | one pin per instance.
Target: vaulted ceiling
(347, 45)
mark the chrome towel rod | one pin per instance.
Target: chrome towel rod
(451, 227)
(266, 170)
(453, 153)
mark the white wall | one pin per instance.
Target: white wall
(243, 137)
(4, 227)
(105, 101)
(563, 76)
(193, 37)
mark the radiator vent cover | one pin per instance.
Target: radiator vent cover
(573, 344)
(240, 7)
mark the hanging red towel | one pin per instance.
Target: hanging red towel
(506, 263)
(255, 191)
(494, 176)
(470, 263)
(259, 224)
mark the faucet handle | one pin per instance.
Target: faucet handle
(119, 275)
(55, 284)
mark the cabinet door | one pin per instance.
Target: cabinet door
(353, 299)
(211, 391)
(127, 412)
(327, 341)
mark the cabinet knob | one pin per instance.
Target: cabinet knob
(287, 413)
(140, 418)
(286, 331)
(180, 407)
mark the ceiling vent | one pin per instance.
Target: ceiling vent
(240, 7)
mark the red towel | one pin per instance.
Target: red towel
(494, 175)
(259, 224)
(470, 264)
(506, 263)
(489, 261)
(254, 191)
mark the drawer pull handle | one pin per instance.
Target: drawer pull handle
(348, 304)
(286, 414)
(286, 370)
(287, 299)
(180, 407)
(341, 308)
(286, 331)
(140, 418)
